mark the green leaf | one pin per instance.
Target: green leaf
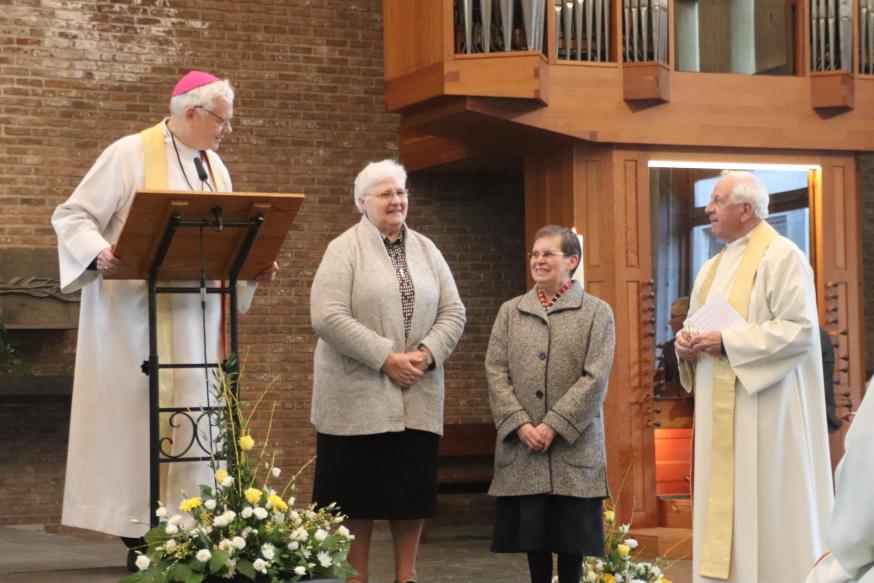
(157, 536)
(217, 561)
(179, 572)
(194, 578)
(134, 578)
(245, 568)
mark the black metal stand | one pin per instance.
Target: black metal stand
(202, 451)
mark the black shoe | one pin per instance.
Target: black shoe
(132, 561)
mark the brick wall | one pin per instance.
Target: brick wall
(75, 75)
(866, 188)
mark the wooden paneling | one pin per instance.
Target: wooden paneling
(836, 215)
(413, 35)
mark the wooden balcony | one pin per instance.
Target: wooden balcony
(483, 99)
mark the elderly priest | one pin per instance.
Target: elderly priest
(107, 483)
(762, 491)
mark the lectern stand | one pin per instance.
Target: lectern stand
(197, 237)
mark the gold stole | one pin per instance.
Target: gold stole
(719, 522)
(156, 178)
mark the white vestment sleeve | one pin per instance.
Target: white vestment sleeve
(761, 354)
(851, 536)
(84, 218)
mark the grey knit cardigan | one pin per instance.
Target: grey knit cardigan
(552, 370)
(355, 307)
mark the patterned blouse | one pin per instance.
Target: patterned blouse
(549, 303)
(405, 283)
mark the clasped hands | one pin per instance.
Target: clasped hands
(536, 438)
(405, 368)
(690, 344)
(107, 261)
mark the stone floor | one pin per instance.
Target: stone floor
(28, 554)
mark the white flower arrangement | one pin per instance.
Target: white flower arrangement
(617, 566)
(243, 529)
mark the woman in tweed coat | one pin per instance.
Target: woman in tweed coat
(387, 313)
(547, 364)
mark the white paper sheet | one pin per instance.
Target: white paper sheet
(715, 316)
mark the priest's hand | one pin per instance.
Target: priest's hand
(268, 274)
(401, 368)
(547, 433)
(709, 342)
(683, 346)
(106, 260)
(529, 435)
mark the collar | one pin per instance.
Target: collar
(572, 299)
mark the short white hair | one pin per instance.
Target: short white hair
(202, 96)
(747, 188)
(374, 173)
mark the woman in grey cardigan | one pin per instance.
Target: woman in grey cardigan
(387, 313)
(547, 364)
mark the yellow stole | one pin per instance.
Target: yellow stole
(719, 521)
(156, 178)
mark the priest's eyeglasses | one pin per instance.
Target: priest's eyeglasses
(222, 121)
(401, 193)
(545, 254)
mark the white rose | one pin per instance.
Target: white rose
(268, 551)
(276, 472)
(299, 534)
(226, 545)
(300, 570)
(239, 543)
(227, 482)
(175, 519)
(632, 543)
(343, 531)
(247, 512)
(170, 546)
(161, 512)
(260, 565)
(293, 545)
(260, 513)
(321, 535)
(143, 562)
(188, 524)
(291, 501)
(210, 504)
(203, 555)
(324, 559)
(230, 515)
(171, 529)
(220, 521)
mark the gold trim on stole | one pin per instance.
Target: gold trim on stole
(156, 178)
(719, 520)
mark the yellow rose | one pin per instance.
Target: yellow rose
(252, 495)
(623, 550)
(609, 516)
(277, 503)
(665, 580)
(247, 443)
(220, 476)
(608, 578)
(190, 504)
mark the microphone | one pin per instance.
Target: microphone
(201, 171)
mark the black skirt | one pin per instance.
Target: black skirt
(386, 476)
(548, 523)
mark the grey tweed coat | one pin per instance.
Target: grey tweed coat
(551, 368)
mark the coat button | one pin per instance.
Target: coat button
(539, 394)
(542, 356)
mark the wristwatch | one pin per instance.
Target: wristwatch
(428, 358)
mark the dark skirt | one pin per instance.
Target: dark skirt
(386, 476)
(548, 523)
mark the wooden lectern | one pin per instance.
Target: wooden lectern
(197, 237)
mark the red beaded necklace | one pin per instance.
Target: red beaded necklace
(549, 303)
